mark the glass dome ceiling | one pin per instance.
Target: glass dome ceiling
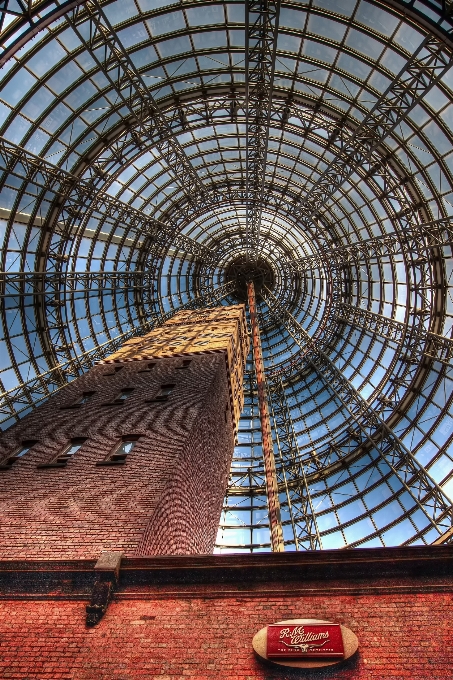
(148, 146)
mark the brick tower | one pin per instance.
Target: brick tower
(134, 456)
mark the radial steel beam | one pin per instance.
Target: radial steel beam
(430, 235)
(18, 9)
(261, 30)
(381, 246)
(427, 65)
(273, 501)
(97, 34)
(415, 349)
(435, 346)
(291, 472)
(390, 187)
(76, 194)
(370, 429)
(22, 284)
(30, 19)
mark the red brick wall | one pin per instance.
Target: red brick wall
(191, 487)
(208, 636)
(80, 510)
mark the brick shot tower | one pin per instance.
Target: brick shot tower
(134, 456)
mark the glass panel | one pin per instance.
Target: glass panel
(125, 447)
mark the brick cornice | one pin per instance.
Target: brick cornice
(377, 570)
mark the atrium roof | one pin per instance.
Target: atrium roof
(149, 146)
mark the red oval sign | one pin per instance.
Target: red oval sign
(303, 640)
(305, 643)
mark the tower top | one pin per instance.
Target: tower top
(193, 332)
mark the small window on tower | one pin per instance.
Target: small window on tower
(68, 451)
(23, 449)
(121, 397)
(86, 396)
(185, 364)
(162, 394)
(121, 450)
(148, 369)
(116, 369)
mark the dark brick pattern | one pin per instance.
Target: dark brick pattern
(191, 488)
(176, 474)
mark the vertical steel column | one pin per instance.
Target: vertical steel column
(292, 472)
(273, 501)
(261, 31)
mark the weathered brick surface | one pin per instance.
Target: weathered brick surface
(181, 462)
(171, 636)
(190, 492)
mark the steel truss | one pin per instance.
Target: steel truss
(29, 394)
(390, 185)
(217, 107)
(414, 346)
(415, 238)
(420, 73)
(415, 242)
(430, 61)
(75, 202)
(371, 431)
(59, 285)
(261, 30)
(291, 474)
(74, 194)
(435, 346)
(96, 33)
(391, 188)
(32, 17)
(429, 235)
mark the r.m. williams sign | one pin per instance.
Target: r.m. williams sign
(305, 643)
(300, 641)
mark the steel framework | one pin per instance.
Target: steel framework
(372, 431)
(422, 237)
(434, 346)
(216, 160)
(291, 472)
(56, 284)
(75, 194)
(430, 61)
(261, 29)
(106, 49)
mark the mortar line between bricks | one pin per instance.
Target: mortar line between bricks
(77, 597)
(271, 594)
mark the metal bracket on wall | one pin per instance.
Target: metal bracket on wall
(107, 570)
